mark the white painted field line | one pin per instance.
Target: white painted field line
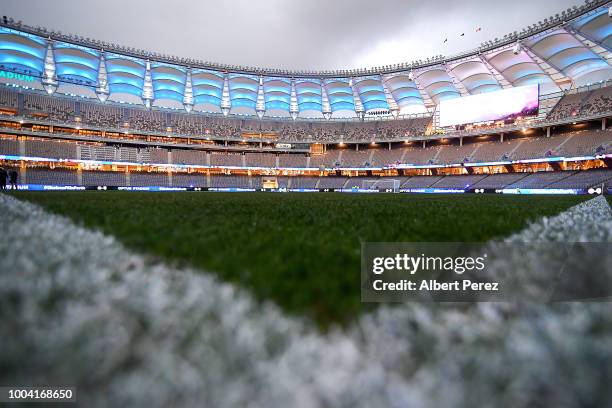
(78, 308)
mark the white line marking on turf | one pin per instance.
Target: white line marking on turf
(78, 308)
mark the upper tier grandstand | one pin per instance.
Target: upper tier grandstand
(584, 103)
(563, 52)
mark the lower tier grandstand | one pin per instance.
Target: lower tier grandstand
(568, 181)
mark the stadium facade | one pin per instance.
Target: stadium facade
(87, 105)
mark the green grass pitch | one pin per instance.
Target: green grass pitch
(300, 250)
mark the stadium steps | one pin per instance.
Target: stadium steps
(567, 139)
(547, 106)
(515, 148)
(433, 160)
(469, 157)
(403, 156)
(371, 156)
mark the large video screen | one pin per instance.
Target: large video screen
(491, 106)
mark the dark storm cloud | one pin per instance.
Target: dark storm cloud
(314, 34)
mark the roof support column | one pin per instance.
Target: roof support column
(260, 105)
(147, 88)
(49, 80)
(226, 102)
(102, 90)
(188, 92)
(294, 109)
(326, 106)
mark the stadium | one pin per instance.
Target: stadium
(187, 233)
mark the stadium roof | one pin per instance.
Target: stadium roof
(569, 49)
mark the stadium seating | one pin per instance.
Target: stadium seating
(103, 178)
(101, 116)
(540, 179)
(225, 159)
(50, 149)
(180, 156)
(44, 176)
(570, 144)
(458, 182)
(9, 146)
(499, 180)
(128, 154)
(386, 157)
(98, 152)
(456, 154)
(188, 180)
(416, 155)
(260, 159)
(292, 160)
(598, 101)
(90, 112)
(562, 179)
(568, 106)
(304, 182)
(330, 159)
(586, 142)
(159, 155)
(52, 108)
(494, 151)
(584, 179)
(352, 158)
(8, 99)
(420, 181)
(188, 124)
(283, 182)
(403, 129)
(150, 121)
(143, 179)
(230, 182)
(535, 147)
(332, 182)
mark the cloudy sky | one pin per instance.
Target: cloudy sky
(313, 34)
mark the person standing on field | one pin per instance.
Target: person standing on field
(3, 176)
(13, 179)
